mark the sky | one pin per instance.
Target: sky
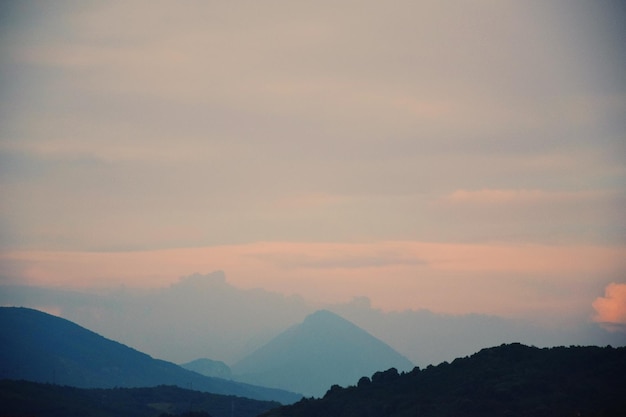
(462, 157)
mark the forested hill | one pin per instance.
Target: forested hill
(509, 380)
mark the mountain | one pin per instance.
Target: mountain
(246, 319)
(324, 349)
(39, 347)
(509, 380)
(25, 398)
(209, 367)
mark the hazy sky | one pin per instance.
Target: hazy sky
(460, 156)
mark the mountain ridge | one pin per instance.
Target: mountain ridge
(511, 380)
(209, 367)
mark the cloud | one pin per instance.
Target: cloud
(308, 201)
(491, 196)
(501, 197)
(395, 275)
(148, 126)
(611, 309)
(335, 260)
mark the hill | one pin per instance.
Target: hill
(39, 347)
(324, 349)
(47, 400)
(509, 380)
(209, 367)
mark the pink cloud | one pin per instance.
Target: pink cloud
(611, 309)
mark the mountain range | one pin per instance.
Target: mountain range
(204, 316)
(40, 347)
(323, 350)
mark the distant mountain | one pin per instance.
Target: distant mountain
(39, 347)
(324, 349)
(25, 398)
(509, 380)
(429, 338)
(209, 367)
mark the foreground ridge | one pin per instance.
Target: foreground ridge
(509, 380)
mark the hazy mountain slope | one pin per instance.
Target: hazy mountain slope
(324, 349)
(428, 338)
(25, 398)
(40, 347)
(209, 367)
(179, 322)
(510, 380)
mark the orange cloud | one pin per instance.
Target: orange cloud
(611, 309)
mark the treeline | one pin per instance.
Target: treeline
(23, 398)
(509, 380)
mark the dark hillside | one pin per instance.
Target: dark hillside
(509, 380)
(22, 398)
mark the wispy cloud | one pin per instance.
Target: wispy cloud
(526, 197)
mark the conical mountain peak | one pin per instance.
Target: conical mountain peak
(325, 318)
(321, 315)
(323, 350)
